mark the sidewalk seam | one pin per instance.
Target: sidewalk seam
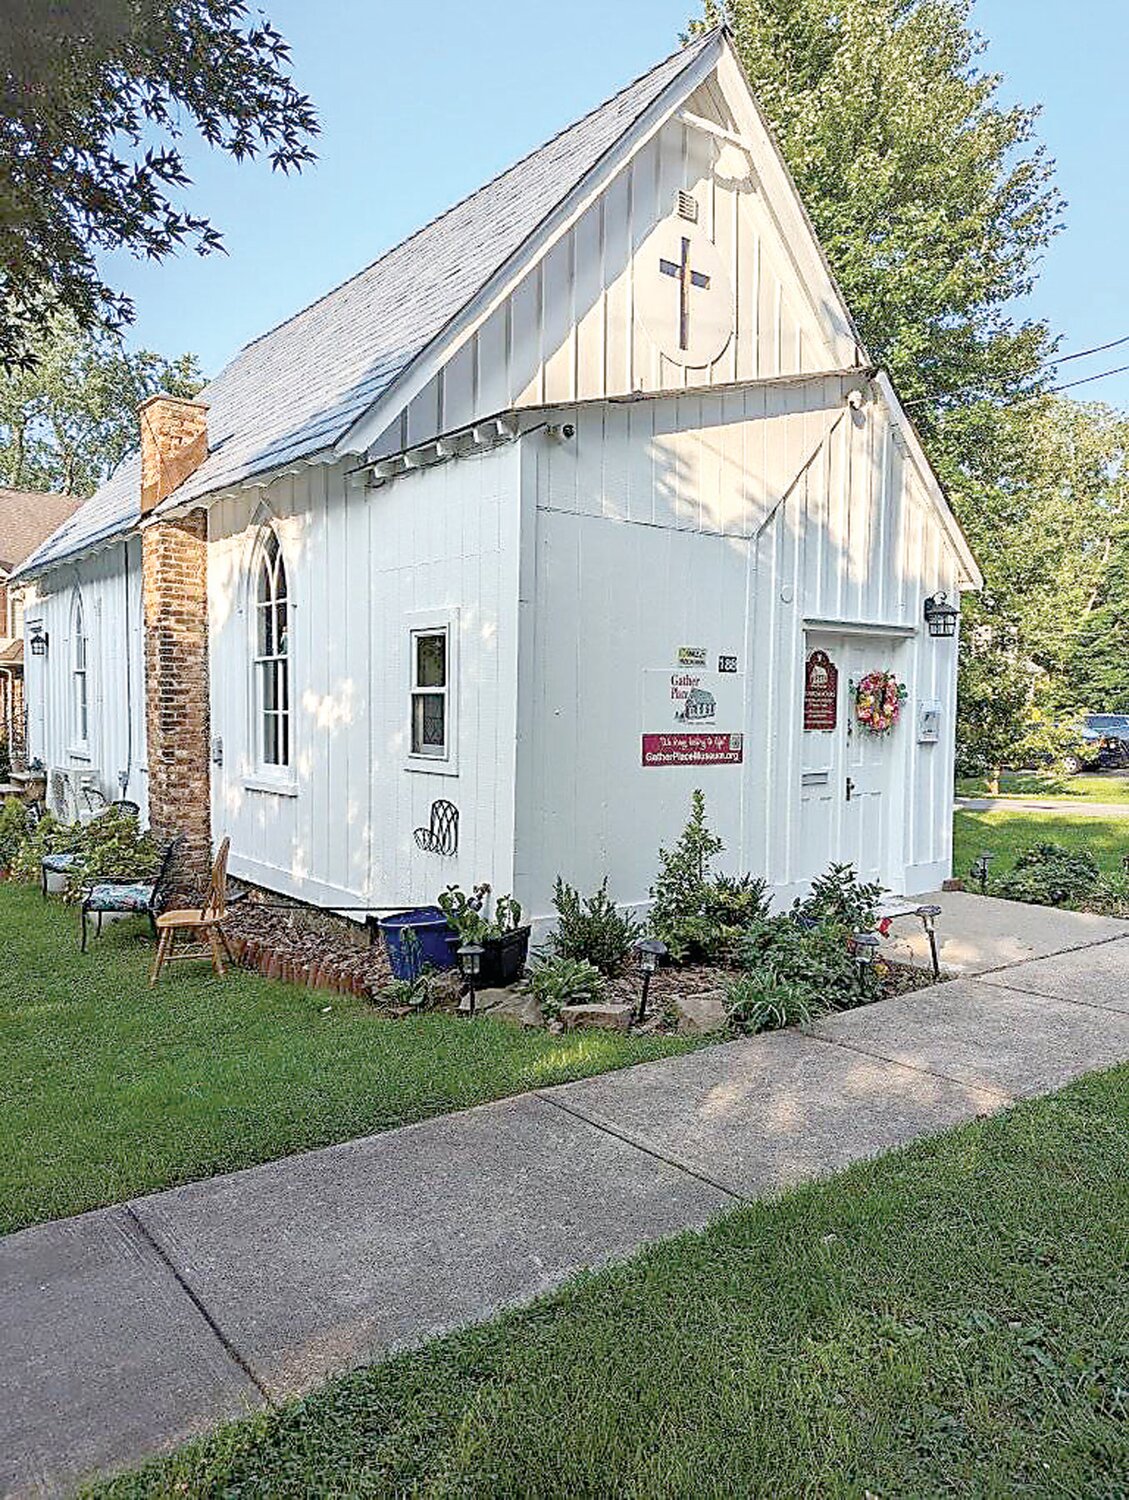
(898, 1062)
(598, 1123)
(228, 1347)
(1015, 989)
(1038, 958)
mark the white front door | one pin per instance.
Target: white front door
(846, 770)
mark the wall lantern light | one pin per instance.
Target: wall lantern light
(38, 640)
(470, 962)
(649, 952)
(940, 615)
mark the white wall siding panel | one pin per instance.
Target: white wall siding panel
(661, 525)
(109, 585)
(361, 566)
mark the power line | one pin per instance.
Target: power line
(1121, 369)
(1082, 353)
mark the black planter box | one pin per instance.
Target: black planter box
(504, 959)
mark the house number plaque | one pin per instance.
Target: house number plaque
(821, 692)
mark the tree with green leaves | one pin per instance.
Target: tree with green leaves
(95, 98)
(70, 417)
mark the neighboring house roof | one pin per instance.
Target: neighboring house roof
(27, 519)
(296, 390)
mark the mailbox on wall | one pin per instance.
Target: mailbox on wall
(929, 722)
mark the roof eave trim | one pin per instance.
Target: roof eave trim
(365, 430)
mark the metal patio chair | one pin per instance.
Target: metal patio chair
(130, 897)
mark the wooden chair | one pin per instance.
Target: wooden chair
(205, 927)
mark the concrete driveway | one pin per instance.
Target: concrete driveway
(135, 1327)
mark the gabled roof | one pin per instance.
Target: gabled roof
(292, 393)
(27, 518)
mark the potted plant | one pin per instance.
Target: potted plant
(505, 942)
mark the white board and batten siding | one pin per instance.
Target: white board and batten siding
(107, 586)
(661, 525)
(363, 568)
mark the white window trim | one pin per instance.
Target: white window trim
(265, 776)
(428, 622)
(79, 747)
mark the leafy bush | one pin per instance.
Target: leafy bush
(113, 847)
(698, 916)
(49, 836)
(764, 1002)
(467, 914)
(1110, 895)
(13, 831)
(591, 929)
(555, 982)
(1049, 875)
(839, 896)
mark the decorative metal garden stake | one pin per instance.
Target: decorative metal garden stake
(649, 951)
(929, 915)
(470, 962)
(979, 869)
(864, 947)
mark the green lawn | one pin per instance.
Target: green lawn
(1038, 784)
(1006, 833)
(946, 1320)
(109, 1089)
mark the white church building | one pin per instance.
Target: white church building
(585, 495)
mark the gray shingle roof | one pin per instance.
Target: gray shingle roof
(296, 390)
(26, 518)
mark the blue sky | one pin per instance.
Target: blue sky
(420, 105)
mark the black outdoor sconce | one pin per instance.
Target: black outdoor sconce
(649, 952)
(38, 640)
(470, 962)
(940, 615)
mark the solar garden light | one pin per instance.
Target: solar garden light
(979, 869)
(864, 948)
(929, 915)
(649, 951)
(470, 962)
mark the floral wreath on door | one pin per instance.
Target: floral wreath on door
(878, 701)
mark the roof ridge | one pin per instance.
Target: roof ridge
(694, 45)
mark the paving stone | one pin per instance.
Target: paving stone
(1095, 976)
(606, 1017)
(986, 1036)
(766, 1112)
(106, 1356)
(335, 1258)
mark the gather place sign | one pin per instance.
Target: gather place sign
(821, 692)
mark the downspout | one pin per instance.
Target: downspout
(124, 777)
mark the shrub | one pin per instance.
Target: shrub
(763, 1002)
(839, 896)
(113, 847)
(591, 929)
(698, 916)
(1049, 875)
(555, 982)
(13, 831)
(467, 914)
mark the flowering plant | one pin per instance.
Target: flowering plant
(878, 701)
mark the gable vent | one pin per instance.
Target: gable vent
(687, 207)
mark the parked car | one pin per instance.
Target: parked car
(1103, 744)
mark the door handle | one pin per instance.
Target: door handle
(850, 788)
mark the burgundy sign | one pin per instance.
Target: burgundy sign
(693, 749)
(821, 692)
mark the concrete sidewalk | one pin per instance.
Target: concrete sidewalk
(1066, 806)
(135, 1327)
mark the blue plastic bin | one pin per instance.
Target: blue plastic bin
(433, 933)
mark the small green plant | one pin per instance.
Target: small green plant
(556, 982)
(417, 988)
(468, 914)
(591, 929)
(1050, 875)
(699, 916)
(839, 896)
(765, 1002)
(13, 831)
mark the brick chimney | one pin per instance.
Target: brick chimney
(174, 582)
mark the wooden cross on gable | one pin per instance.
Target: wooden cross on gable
(687, 278)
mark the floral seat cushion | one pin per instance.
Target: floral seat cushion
(59, 864)
(134, 897)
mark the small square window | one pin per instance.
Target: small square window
(430, 710)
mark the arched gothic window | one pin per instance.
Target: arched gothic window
(272, 655)
(80, 688)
